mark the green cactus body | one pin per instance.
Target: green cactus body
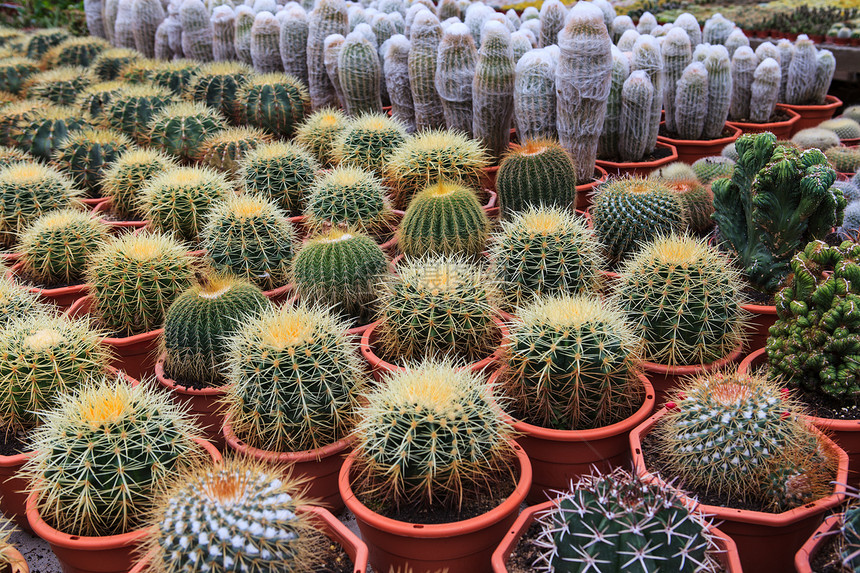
(493, 90)
(351, 198)
(360, 75)
(719, 91)
(10, 155)
(265, 37)
(426, 35)
(16, 302)
(776, 202)
(14, 72)
(249, 236)
(281, 171)
(43, 40)
(844, 127)
(198, 324)
(196, 40)
(435, 306)
(319, 132)
(648, 57)
(132, 170)
(44, 356)
(75, 52)
(844, 159)
(709, 169)
(607, 146)
(538, 172)
(181, 128)
(134, 279)
(108, 64)
(107, 428)
(218, 85)
(295, 378)
(765, 91)
(630, 211)
(368, 141)
(131, 110)
(634, 126)
(242, 33)
(544, 251)
(293, 43)
(175, 75)
(327, 18)
(340, 269)
(59, 86)
(86, 154)
(94, 99)
(744, 64)
(455, 69)
(225, 149)
(666, 534)
(48, 128)
(14, 117)
(698, 200)
(275, 102)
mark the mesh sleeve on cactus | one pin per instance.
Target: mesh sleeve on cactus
(744, 64)
(424, 40)
(765, 90)
(328, 17)
(534, 96)
(718, 65)
(607, 146)
(223, 22)
(331, 49)
(493, 89)
(801, 72)
(396, 70)
(552, 15)
(691, 102)
(825, 67)
(648, 57)
(690, 25)
(147, 15)
(634, 130)
(294, 43)
(360, 75)
(196, 30)
(265, 39)
(455, 69)
(242, 33)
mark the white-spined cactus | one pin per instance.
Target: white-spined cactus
(148, 15)
(677, 55)
(196, 30)
(718, 65)
(744, 64)
(265, 39)
(493, 89)
(691, 101)
(765, 90)
(223, 34)
(328, 17)
(396, 70)
(426, 34)
(360, 75)
(455, 69)
(242, 33)
(293, 42)
(534, 96)
(331, 50)
(648, 57)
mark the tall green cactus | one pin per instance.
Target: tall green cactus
(360, 75)
(493, 89)
(691, 102)
(634, 129)
(534, 96)
(764, 91)
(607, 145)
(265, 40)
(426, 34)
(648, 57)
(329, 17)
(744, 64)
(293, 43)
(455, 69)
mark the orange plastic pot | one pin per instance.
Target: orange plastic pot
(135, 354)
(846, 433)
(763, 317)
(82, 554)
(17, 563)
(321, 466)
(92, 202)
(585, 191)
(781, 129)
(557, 456)
(812, 115)
(280, 294)
(825, 532)
(61, 297)
(766, 541)
(727, 553)
(640, 168)
(666, 378)
(690, 150)
(105, 207)
(379, 368)
(203, 403)
(458, 547)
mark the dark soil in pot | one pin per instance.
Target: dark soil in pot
(14, 444)
(828, 558)
(656, 155)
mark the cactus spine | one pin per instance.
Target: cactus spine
(293, 43)
(538, 172)
(122, 181)
(223, 22)
(455, 69)
(426, 35)
(493, 89)
(691, 102)
(396, 68)
(744, 64)
(280, 171)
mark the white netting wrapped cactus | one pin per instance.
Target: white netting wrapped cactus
(534, 96)
(765, 90)
(648, 57)
(196, 30)
(148, 15)
(426, 35)
(744, 64)
(691, 101)
(123, 31)
(396, 69)
(331, 50)
(359, 74)
(242, 33)
(293, 42)
(719, 70)
(93, 10)
(552, 15)
(265, 38)
(493, 89)
(329, 17)
(455, 69)
(223, 23)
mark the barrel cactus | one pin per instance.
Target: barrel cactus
(218, 85)
(94, 98)
(86, 154)
(277, 103)
(360, 75)
(281, 171)
(122, 181)
(708, 169)
(368, 141)
(14, 72)
(46, 129)
(175, 75)
(844, 159)
(59, 86)
(108, 64)
(180, 129)
(844, 127)
(131, 110)
(224, 150)
(17, 302)
(538, 172)
(319, 132)
(815, 138)
(348, 197)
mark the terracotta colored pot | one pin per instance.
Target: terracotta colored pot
(766, 541)
(280, 294)
(727, 556)
(9, 257)
(666, 378)
(135, 354)
(557, 456)
(850, 143)
(460, 547)
(586, 190)
(781, 129)
(640, 168)
(61, 297)
(812, 115)
(104, 208)
(82, 554)
(92, 202)
(321, 465)
(17, 563)
(846, 433)
(689, 150)
(763, 317)
(379, 367)
(804, 557)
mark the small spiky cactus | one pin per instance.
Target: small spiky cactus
(281, 171)
(16, 302)
(43, 40)
(55, 248)
(445, 218)
(843, 159)
(28, 190)
(108, 64)
(319, 132)
(86, 154)
(424, 39)
(534, 96)
(630, 211)
(709, 169)
(295, 378)
(225, 149)
(249, 236)
(196, 30)
(340, 268)
(368, 141)
(181, 128)
(348, 197)
(107, 428)
(676, 171)
(275, 102)
(132, 170)
(395, 66)
(218, 85)
(410, 450)
(175, 75)
(455, 69)
(47, 129)
(14, 73)
(177, 201)
(134, 279)
(360, 75)
(647, 516)
(95, 98)
(844, 127)
(44, 356)
(14, 117)
(740, 436)
(493, 89)
(59, 86)
(131, 110)
(815, 138)
(698, 200)
(198, 324)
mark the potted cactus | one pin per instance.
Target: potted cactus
(109, 429)
(194, 344)
(742, 446)
(571, 379)
(122, 181)
(645, 515)
(256, 502)
(777, 200)
(539, 172)
(835, 542)
(280, 171)
(806, 84)
(420, 493)
(756, 80)
(294, 378)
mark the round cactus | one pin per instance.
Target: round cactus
(844, 127)
(131, 110)
(350, 198)
(368, 141)
(319, 132)
(249, 236)
(175, 75)
(179, 129)
(47, 128)
(844, 159)
(75, 52)
(109, 63)
(198, 324)
(708, 169)
(224, 150)
(630, 211)
(538, 172)
(43, 40)
(59, 86)
(177, 201)
(55, 248)
(281, 171)
(698, 201)
(10, 155)
(132, 170)
(86, 154)
(134, 279)
(27, 190)
(94, 98)
(677, 171)
(445, 218)
(816, 137)
(138, 71)
(276, 103)
(17, 302)
(295, 378)
(340, 268)
(218, 84)
(14, 72)
(544, 251)
(410, 448)
(685, 300)
(44, 356)
(108, 428)
(573, 363)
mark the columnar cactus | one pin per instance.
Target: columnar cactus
(455, 69)
(648, 57)
(824, 70)
(801, 71)
(607, 145)
(552, 17)
(744, 65)
(242, 33)
(327, 18)
(95, 18)
(395, 66)
(737, 39)
(265, 43)
(280, 171)
(368, 141)
(634, 131)
(147, 15)
(293, 43)
(765, 90)
(180, 129)
(424, 41)
(493, 90)
(109, 11)
(360, 75)
(717, 29)
(168, 36)
(223, 33)
(534, 96)
(583, 81)
(718, 65)
(349, 198)
(538, 172)
(691, 102)
(275, 102)
(196, 31)
(218, 85)
(123, 36)
(122, 182)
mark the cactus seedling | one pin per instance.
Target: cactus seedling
(281, 171)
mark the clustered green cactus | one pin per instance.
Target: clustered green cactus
(536, 173)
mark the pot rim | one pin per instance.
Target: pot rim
(15, 270)
(830, 102)
(82, 306)
(673, 156)
(737, 132)
(808, 549)
(688, 369)
(173, 385)
(793, 117)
